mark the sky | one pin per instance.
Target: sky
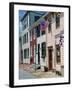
(21, 13)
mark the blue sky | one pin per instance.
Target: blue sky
(21, 13)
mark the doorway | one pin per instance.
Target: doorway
(38, 53)
(50, 49)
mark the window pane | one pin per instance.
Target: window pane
(26, 53)
(25, 26)
(43, 48)
(38, 31)
(27, 37)
(31, 35)
(23, 39)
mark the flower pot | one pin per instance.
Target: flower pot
(45, 68)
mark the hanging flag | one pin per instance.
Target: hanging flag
(43, 26)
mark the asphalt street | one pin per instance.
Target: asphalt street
(25, 75)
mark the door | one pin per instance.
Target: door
(38, 53)
(50, 49)
(21, 56)
(32, 54)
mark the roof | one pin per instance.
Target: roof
(24, 15)
(28, 12)
(38, 21)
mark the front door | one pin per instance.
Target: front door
(50, 49)
(38, 53)
(21, 56)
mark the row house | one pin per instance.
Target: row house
(55, 41)
(20, 43)
(47, 49)
(27, 43)
(38, 42)
(44, 37)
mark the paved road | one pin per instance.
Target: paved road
(25, 75)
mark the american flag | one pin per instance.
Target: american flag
(43, 25)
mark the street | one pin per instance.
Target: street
(25, 75)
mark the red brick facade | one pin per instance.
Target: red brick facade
(32, 44)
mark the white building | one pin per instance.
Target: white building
(55, 41)
(27, 21)
(25, 39)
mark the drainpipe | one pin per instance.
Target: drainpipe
(35, 58)
(35, 48)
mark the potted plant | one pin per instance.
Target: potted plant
(45, 68)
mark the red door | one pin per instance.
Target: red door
(31, 60)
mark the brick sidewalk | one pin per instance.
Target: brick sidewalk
(38, 73)
(48, 74)
(25, 67)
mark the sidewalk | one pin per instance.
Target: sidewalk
(25, 67)
(39, 73)
(48, 74)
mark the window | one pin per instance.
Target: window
(25, 38)
(57, 21)
(43, 48)
(25, 26)
(37, 17)
(38, 30)
(31, 35)
(25, 23)
(26, 53)
(58, 53)
(31, 51)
